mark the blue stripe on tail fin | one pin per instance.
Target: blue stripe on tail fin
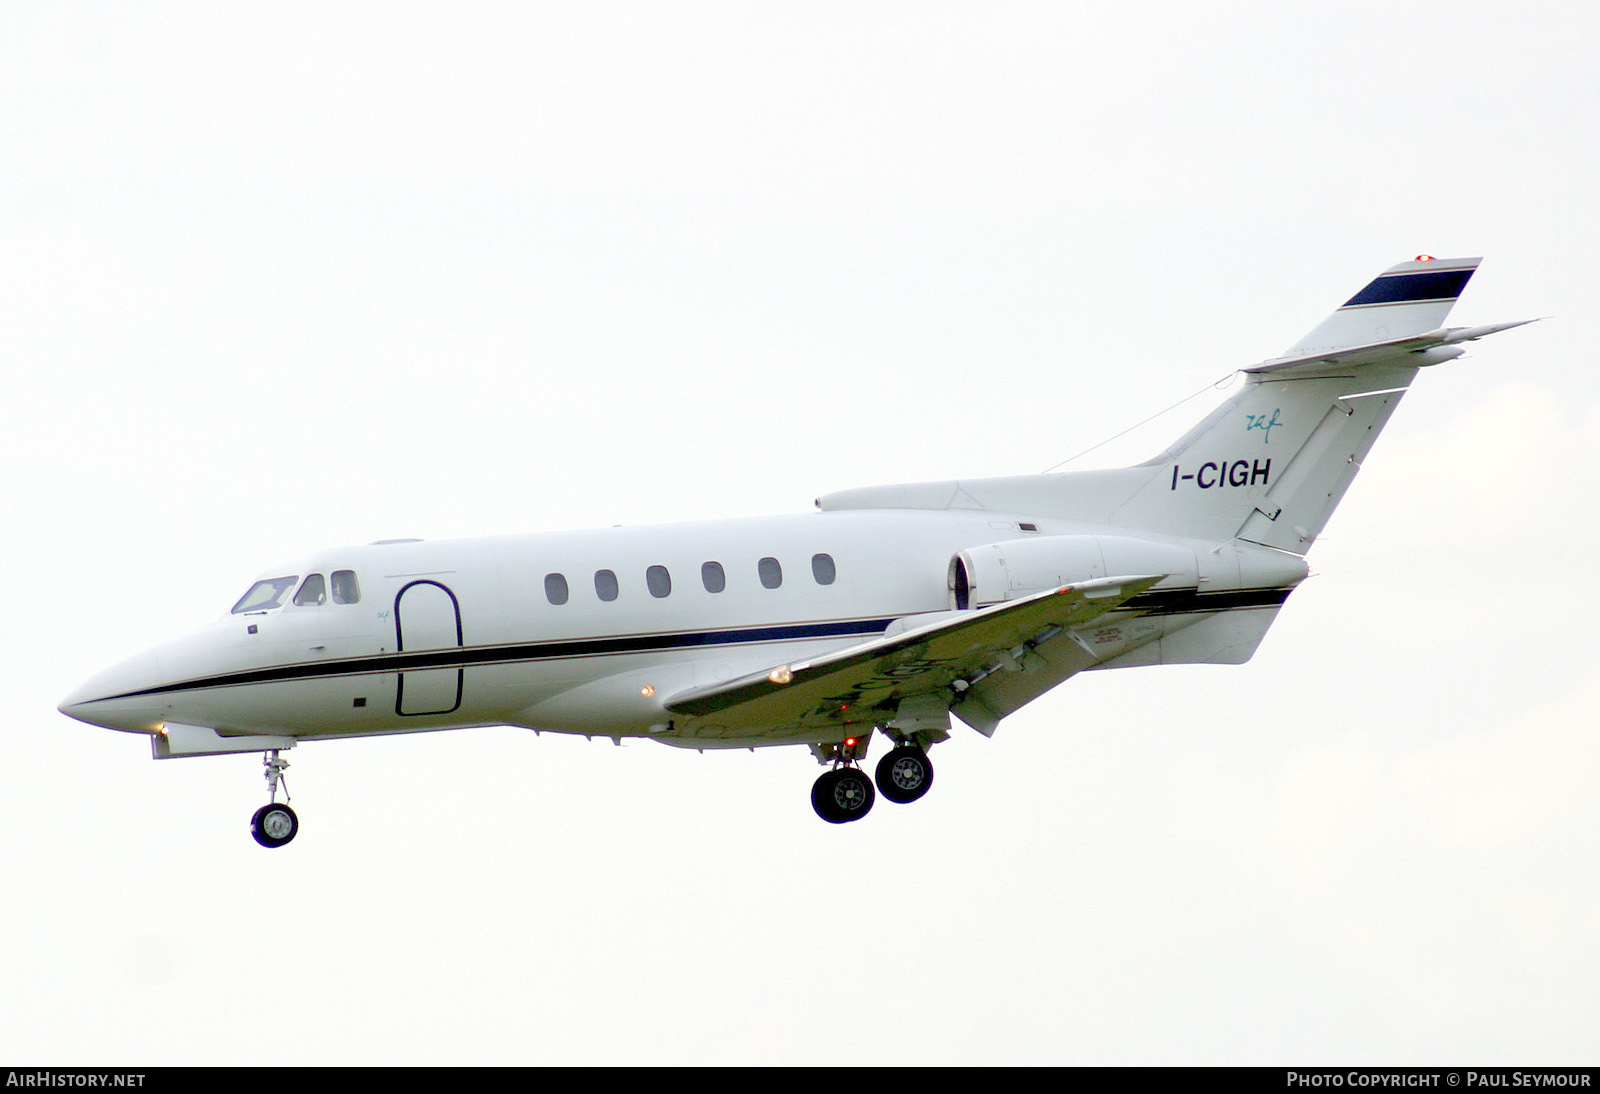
(1407, 299)
(1412, 288)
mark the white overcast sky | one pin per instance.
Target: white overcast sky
(281, 276)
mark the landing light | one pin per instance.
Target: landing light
(780, 675)
(648, 690)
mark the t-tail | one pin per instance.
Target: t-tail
(1271, 463)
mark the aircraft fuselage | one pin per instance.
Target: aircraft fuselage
(457, 633)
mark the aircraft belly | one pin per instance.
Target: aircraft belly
(622, 696)
(290, 707)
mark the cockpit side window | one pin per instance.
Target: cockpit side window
(265, 595)
(313, 591)
(346, 590)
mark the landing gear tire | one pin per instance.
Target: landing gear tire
(905, 774)
(274, 825)
(842, 795)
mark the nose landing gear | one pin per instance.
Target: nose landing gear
(274, 824)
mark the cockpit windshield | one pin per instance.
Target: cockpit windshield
(265, 595)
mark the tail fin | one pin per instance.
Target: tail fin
(1270, 465)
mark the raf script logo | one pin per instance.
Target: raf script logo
(1263, 423)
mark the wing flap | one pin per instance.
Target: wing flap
(863, 683)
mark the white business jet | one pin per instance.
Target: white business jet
(892, 608)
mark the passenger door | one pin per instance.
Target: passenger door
(427, 618)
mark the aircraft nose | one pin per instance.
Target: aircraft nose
(107, 699)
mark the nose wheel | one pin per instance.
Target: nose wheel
(274, 824)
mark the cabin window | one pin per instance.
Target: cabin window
(605, 584)
(712, 577)
(266, 595)
(346, 590)
(313, 592)
(822, 569)
(659, 581)
(555, 588)
(771, 572)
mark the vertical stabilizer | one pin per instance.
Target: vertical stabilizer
(1270, 465)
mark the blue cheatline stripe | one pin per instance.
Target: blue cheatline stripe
(462, 656)
(1407, 288)
(1180, 602)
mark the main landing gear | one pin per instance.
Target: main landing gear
(844, 793)
(905, 774)
(274, 824)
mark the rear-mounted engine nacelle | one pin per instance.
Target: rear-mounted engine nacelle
(1015, 568)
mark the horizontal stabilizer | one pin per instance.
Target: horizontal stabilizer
(1414, 350)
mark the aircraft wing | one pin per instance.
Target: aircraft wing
(864, 684)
